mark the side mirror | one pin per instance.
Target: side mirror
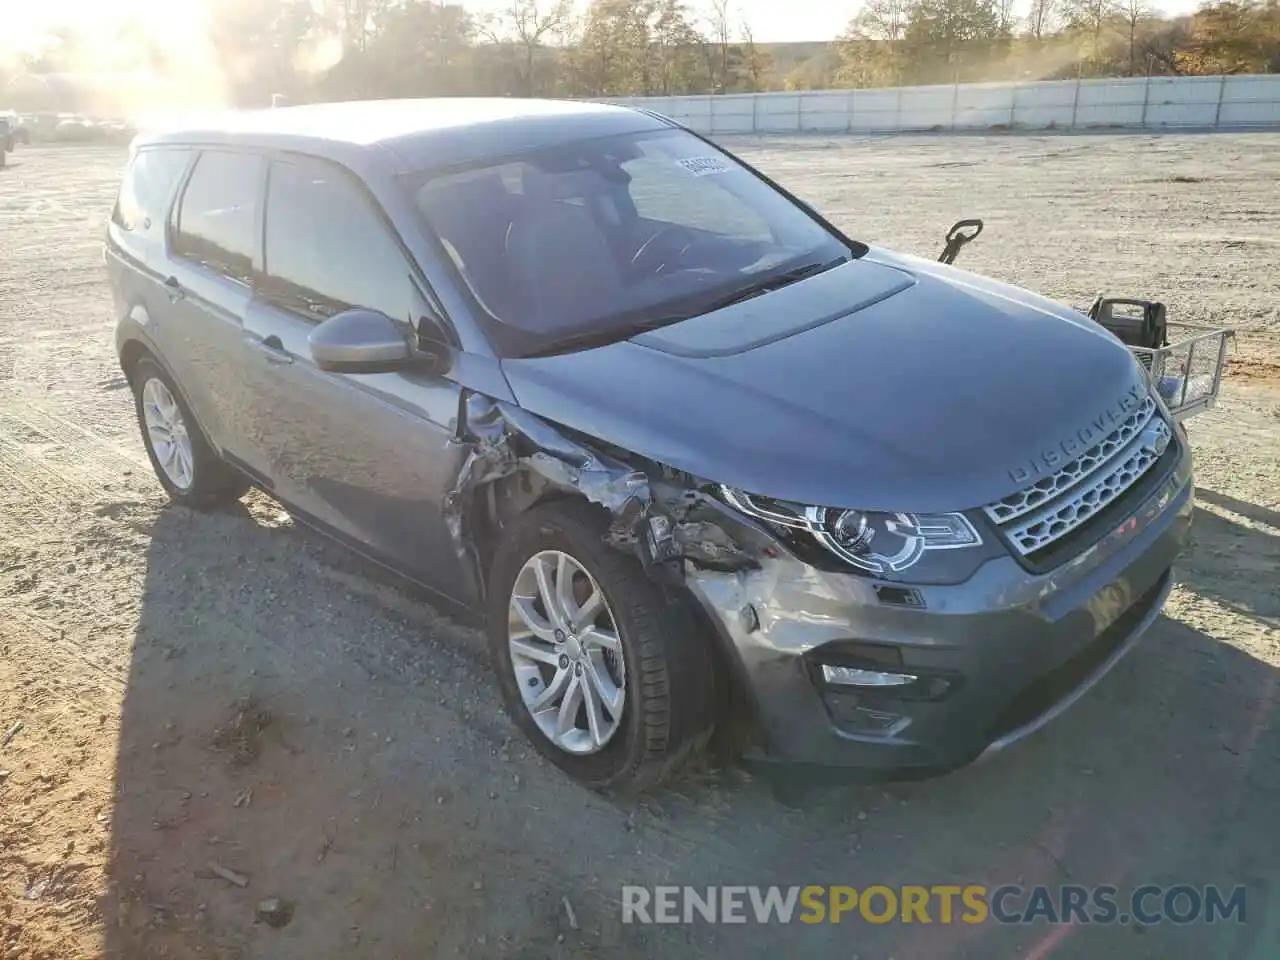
(359, 341)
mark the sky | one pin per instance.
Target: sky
(771, 20)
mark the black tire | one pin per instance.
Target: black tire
(213, 481)
(671, 701)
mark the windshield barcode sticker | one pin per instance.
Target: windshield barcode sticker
(704, 166)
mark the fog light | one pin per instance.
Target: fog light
(849, 716)
(855, 677)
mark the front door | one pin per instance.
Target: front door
(369, 456)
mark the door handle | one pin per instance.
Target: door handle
(272, 350)
(176, 292)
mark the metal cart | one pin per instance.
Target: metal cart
(1187, 372)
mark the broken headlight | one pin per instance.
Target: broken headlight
(913, 547)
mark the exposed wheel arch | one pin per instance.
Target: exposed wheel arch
(210, 481)
(671, 712)
(130, 354)
(499, 504)
(133, 352)
(496, 505)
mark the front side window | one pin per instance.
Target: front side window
(147, 186)
(327, 250)
(602, 235)
(216, 225)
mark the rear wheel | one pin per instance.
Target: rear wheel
(188, 468)
(608, 678)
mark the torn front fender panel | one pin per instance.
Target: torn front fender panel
(661, 517)
(506, 437)
(504, 440)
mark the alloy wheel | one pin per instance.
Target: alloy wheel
(167, 431)
(566, 652)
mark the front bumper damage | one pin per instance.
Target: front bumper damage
(994, 658)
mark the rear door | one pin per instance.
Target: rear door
(368, 455)
(214, 247)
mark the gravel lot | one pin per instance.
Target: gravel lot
(230, 689)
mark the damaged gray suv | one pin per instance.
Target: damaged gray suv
(688, 449)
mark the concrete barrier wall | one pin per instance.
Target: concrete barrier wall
(1115, 103)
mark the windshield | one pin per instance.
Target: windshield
(603, 236)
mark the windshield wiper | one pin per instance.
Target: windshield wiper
(599, 338)
(773, 282)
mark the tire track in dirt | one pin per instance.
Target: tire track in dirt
(44, 445)
(61, 468)
(67, 476)
(57, 463)
(91, 454)
(50, 634)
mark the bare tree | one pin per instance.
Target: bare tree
(758, 61)
(526, 26)
(567, 38)
(1042, 18)
(871, 47)
(1090, 16)
(1135, 13)
(676, 45)
(721, 28)
(1005, 16)
(882, 20)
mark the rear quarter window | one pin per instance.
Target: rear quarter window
(145, 192)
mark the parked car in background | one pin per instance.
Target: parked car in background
(42, 126)
(116, 131)
(74, 127)
(676, 439)
(19, 130)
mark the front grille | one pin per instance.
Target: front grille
(1054, 506)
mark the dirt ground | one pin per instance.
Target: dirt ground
(182, 693)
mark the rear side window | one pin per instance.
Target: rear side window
(327, 249)
(148, 184)
(216, 225)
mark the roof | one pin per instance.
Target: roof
(419, 133)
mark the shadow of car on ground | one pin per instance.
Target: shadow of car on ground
(300, 728)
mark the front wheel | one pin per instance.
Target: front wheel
(608, 678)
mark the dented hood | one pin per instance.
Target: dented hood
(889, 383)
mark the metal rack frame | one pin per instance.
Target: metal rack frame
(1176, 358)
